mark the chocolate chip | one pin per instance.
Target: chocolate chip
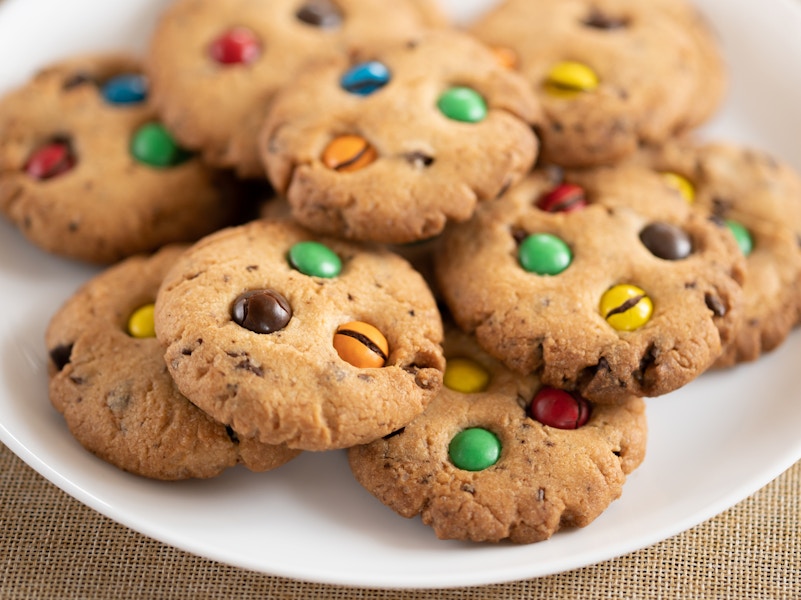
(666, 241)
(601, 20)
(60, 355)
(262, 311)
(714, 304)
(77, 80)
(320, 13)
(419, 159)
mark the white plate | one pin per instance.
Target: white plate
(711, 444)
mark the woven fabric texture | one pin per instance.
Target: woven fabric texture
(54, 547)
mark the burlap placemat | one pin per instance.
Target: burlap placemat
(54, 547)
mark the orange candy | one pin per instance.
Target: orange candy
(361, 345)
(349, 153)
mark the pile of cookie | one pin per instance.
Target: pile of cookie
(465, 255)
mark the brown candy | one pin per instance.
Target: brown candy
(666, 241)
(262, 311)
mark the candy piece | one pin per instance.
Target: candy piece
(361, 345)
(51, 160)
(320, 13)
(569, 78)
(626, 307)
(261, 311)
(61, 355)
(742, 236)
(154, 146)
(544, 254)
(474, 449)
(365, 78)
(237, 46)
(141, 323)
(125, 89)
(567, 197)
(315, 259)
(349, 153)
(466, 376)
(463, 104)
(666, 241)
(682, 185)
(506, 57)
(560, 409)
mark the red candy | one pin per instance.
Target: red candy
(51, 160)
(238, 45)
(563, 198)
(560, 409)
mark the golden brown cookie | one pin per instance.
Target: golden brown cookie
(759, 197)
(298, 339)
(610, 74)
(215, 64)
(391, 143)
(499, 456)
(88, 172)
(606, 282)
(109, 380)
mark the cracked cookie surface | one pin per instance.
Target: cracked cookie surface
(71, 180)
(610, 73)
(543, 477)
(759, 196)
(115, 393)
(619, 313)
(298, 360)
(215, 64)
(391, 143)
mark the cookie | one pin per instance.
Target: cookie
(499, 456)
(605, 282)
(88, 172)
(215, 64)
(297, 339)
(759, 197)
(109, 380)
(389, 144)
(610, 74)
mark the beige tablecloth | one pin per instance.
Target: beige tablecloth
(55, 547)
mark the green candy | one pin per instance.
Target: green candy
(315, 259)
(154, 146)
(474, 449)
(463, 104)
(741, 236)
(544, 254)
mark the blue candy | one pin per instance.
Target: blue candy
(125, 89)
(366, 78)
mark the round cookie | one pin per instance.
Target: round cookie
(86, 170)
(389, 144)
(610, 74)
(499, 456)
(109, 380)
(215, 64)
(623, 289)
(290, 338)
(759, 196)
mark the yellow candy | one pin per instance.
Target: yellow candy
(682, 185)
(569, 78)
(140, 323)
(626, 307)
(465, 376)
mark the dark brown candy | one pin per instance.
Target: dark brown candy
(320, 13)
(60, 356)
(666, 241)
(262, 311)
